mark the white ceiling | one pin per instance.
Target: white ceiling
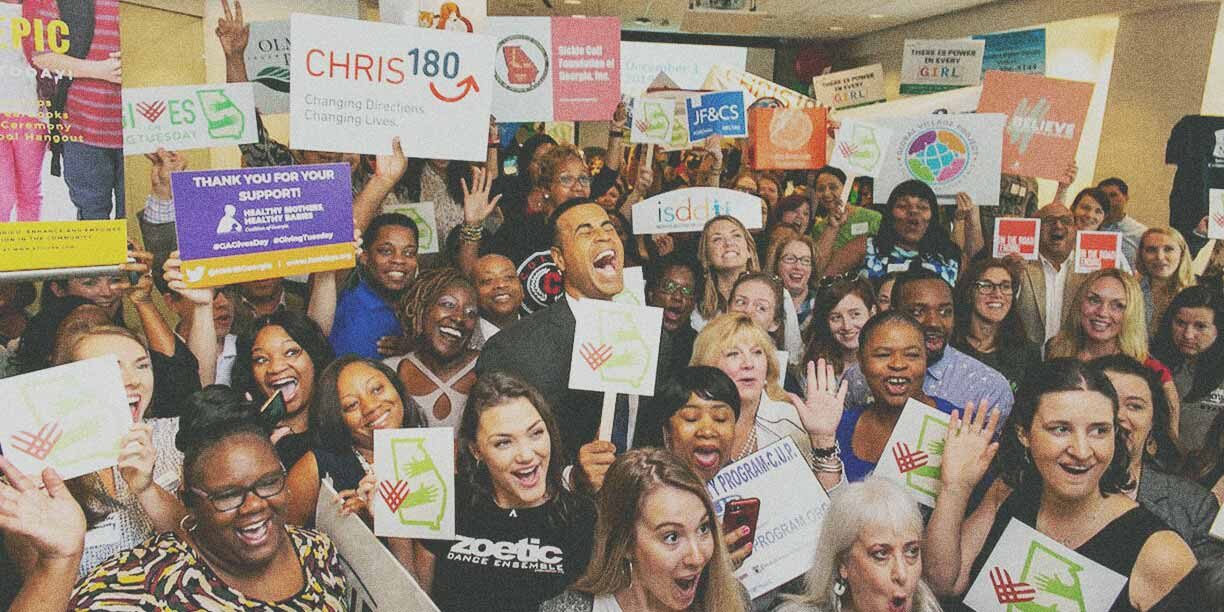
(827, 19)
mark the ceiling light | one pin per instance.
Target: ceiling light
(875, 16)
(836, 28)
(573, 1)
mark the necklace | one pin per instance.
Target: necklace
(749, 444)
(365, 465)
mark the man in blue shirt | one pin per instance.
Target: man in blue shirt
(366, 312)
(950, 375)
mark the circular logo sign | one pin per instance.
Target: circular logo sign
(790, 129)
(937, 156)
(522, 63)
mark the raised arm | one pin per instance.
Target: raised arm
(156, 329)
(820, 411)
(387, 172)
(202, 337)
(234, 33)
(952, 542)
(616, 138)
(44, 518)
(1060, 194)
(477, 206)
(967, 228)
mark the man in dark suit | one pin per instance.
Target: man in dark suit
(539, 348)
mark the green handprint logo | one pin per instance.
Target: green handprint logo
(418, 467)
(225, 120)
(420, 497)
(425, 503)
(925, 479)
(1056, 579)
(629, 360)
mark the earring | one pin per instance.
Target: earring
(839, 587)
(1151, 447)
(183, 523)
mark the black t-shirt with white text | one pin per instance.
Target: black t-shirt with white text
(510, 560)
(1196, 145)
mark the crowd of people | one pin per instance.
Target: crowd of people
(1089, 406)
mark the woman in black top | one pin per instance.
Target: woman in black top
(987, 325)
(1066, 458)
(521, 537)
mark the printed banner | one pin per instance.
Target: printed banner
(415, 495)
(463, 16)
(793, 505)
(358, 84)
(376, 580)
(556, 68)
(267, 61)
(1028, 570)
(1215, 214)
(1044, 120)
(1019, 236)
(688, 210)
(654, 120)
(69, 417)
(687, 65)
(1021, 51)
(722, 112)
(787, 138)
(850, 88)
(39, 227)
(951, 153)
(759, 90)
(635, 287)
(1097, 250)
(935, 65)
(914, 451)
(616, 347)
(188, 117)
(951, 102)
(248, 224)
(860, 147)
(421, 213)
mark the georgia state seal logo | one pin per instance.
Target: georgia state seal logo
(522, 63)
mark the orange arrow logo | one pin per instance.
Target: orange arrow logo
(468, 84)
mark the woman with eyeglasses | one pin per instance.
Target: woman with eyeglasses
(990, 329)
(791, 259)
(232, 550)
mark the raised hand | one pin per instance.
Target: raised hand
(645, 173)
(821, 408)
(173, 273)
(620, 117)
(664, 244)
(137, 457)
(391, 167)
(233, 32)
(476, 203)
(164, 163)
(142, 290)
(1068, 176)
(594, 459)
(964, 205)
(968, 446)
(46, 517)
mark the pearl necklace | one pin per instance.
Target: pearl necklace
(749, 444)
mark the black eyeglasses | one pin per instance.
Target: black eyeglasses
(829, 281)
(984, 287)
(232, 499)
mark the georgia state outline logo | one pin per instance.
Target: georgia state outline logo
(522, 63)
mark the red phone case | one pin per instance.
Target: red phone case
(741, 512)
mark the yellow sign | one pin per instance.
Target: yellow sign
(62, 244)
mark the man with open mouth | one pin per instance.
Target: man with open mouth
(1047, 283)
(950, 374)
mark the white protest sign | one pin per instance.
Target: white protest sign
(860, 147)
(1215, 213)
(955, 101)
(688, 210)
(267, 63)
(69, 417)
(376, 580)
(1018, 236)
(654, 118)
(421, 213)
(635, 287)
(616, 347)
(793, 506)
(915, 450)
(687, 65)
(723, 78)
(951, 153)
(358, 84)
(849, 88)
(402, 12)
(415, 494)
(1097, 250)
(1217, 526)
(1029, 570)
(935, 65)
(186, 117)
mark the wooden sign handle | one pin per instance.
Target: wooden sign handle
(607, 416)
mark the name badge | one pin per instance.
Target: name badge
(858, 229)
(898, 267)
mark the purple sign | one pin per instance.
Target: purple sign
(222, 213)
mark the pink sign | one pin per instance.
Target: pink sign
(1097, 250)
(1017, 236)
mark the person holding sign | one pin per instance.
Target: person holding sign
(356, 396)
(870, 554)
(1046, 283)
(1163, 269)
(1066, 458)
(1106, 318)
(522, 536)
(913, 230)
(129, 502)
(1090, 207)
(657, 544)
(987, 327)
(1144, 415)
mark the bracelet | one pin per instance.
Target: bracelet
(617, 133)
(828, 465)
(825, 453)
(471, 233)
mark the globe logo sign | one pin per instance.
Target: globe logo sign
(937, 156)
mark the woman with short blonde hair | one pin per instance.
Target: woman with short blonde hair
(643, 489)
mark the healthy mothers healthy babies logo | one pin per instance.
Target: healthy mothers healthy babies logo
(937, 156)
